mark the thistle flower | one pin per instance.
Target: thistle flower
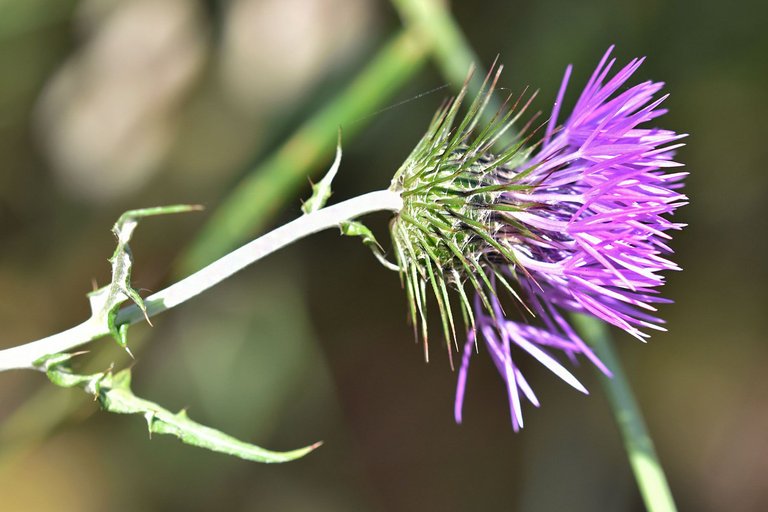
(577, 226)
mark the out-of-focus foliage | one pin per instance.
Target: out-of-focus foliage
(109, 105)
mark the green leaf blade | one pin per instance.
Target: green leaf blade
(114, 394)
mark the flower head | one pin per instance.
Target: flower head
(580, 225)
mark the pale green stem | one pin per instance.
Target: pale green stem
(24, 356)
(637, 441)
(276, 178)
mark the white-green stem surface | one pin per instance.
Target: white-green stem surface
(24, 356)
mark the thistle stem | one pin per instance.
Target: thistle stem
(637, 441)
(24, 356)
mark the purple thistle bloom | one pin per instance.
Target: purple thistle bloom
(586, 226)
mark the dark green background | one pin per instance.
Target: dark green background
(312, 343)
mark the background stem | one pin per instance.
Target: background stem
(265, 189)
(637, 441)
(453, 54)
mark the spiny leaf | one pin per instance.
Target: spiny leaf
(356, 228)
(106, 301)
(321, 190)
(113, 392)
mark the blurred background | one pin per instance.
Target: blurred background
(109, 105)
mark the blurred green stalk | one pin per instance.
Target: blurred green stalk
(453, 53)
(637, 441)
(263, 191)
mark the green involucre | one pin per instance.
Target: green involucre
(451, 184)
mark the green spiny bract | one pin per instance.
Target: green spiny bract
(451, 185)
